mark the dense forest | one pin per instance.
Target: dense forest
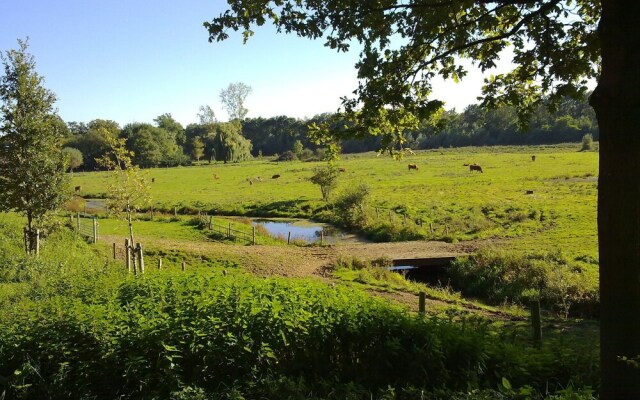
(167, 143)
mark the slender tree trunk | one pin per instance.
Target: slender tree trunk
(616, 101)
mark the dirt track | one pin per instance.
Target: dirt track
(297, 261)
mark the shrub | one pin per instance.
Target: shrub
(587, 142)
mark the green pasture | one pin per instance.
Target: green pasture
(443, 193)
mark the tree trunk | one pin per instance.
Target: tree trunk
(616, 102)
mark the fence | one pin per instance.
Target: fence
(87, 225)
(233, 234)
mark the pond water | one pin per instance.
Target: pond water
(306, 230)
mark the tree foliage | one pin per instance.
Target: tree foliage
(233, 98)
(128, 188)
(405, 44)
(327, 178)
(32, 167)
(73, 156)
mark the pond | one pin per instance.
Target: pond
(307, 230)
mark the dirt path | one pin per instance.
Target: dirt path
(304, 262)
(294, 261)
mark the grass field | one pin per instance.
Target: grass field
(559, 215)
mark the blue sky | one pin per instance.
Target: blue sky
(132, 60)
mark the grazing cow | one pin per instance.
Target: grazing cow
(342, 169)
(474, 167)
(529, 191)
(78, 188)
(153, 180)
(413, 166)
(533, 158)
(276, 176)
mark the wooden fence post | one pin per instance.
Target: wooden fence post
(114, 250)
(184, 266)
(377, 213)
(421, 302)
(210, 222)
(431, 227)
(159, 263)
(536, 322)
(175, 212)
(127, 255)
(289, 238)
(229, 231)
(95, 229)
(322, 237)
(140, 258)
(253, 240)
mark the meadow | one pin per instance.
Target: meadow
(443, 195)
(533, 222)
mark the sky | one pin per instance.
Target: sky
(132, 60)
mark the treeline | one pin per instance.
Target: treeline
(167, 143)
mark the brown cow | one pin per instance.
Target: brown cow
(276, 176)
(533, 158)
(475, 167)
(413, 166)
(153, 180)
(78, 188)
(342, 169)
(215, 176)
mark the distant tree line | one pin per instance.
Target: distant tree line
(167, 143)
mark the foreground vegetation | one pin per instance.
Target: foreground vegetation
(73, 325)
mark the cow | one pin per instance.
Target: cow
(474, 167)
(276, 176)
(153, 180)
(413, 166)
(78, 188)
(215, 176)
(341, 169)
(533, 158)
(529, 191)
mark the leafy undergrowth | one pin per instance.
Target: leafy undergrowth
(568, 286)
(80, 327)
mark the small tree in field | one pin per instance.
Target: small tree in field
(128, 190)
(327, 179)
(32, 178)
(587, 142)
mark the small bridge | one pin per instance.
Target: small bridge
(424, 262)
(430, 269)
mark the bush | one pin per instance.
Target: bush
(287, 156)
(587, 142)
(506, 277)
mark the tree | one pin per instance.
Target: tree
(557, 46)
(128, 189)
(92, 139)
(197, 148)
(206, 116)
(73, 156)
(298, 148)
(166, 122)
(32, 167)
(233, 98)
(227, 143)
(327, 178)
